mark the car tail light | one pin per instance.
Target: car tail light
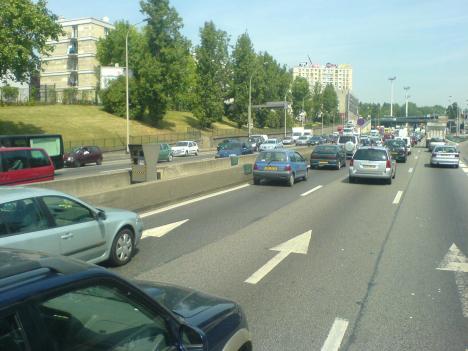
(255, 167)
(351, 163)
(389, 164)
(287, 168)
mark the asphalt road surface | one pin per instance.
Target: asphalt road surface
(362, 266)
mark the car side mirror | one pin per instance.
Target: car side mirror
(192, 339)
(101, 215)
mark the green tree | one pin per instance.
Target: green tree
(452, 110)
(330, 103)
(25, 27)
(113, 98)
(300, 94)
(243, 66)
(212, 60)
(317, 101)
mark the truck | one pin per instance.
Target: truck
(308, 132)
(402, 132)
(435, 130)
(297, 132)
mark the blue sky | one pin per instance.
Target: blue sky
(422, 42)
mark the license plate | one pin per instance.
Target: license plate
(323, 162)
(270, 168)
(368, 166)
(448, 156)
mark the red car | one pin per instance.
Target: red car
(22, 165)
(82, 155)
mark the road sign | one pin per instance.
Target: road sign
(361, 121)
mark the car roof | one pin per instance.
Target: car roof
(12, 193)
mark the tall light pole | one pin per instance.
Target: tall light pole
(406, 100)
(391, 79)
(249, 117)
(126, 82)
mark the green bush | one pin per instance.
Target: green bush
(70, 96)
(9, 94)
(113, 99)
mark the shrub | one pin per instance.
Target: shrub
(9, 94)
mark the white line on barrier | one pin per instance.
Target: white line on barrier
(312, 190)
(191, 201)
(335, 336)
(115, 171)
(397, 198)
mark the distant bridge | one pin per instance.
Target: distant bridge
(393, 121)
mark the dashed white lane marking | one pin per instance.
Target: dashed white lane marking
(415, 157)
(191, 201)
(312, 190)
(335, 336)
(465, 170)
(159, 232)
(397, 198)
(410, 170)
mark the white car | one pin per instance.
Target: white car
(185, 148)
(271, 144)
(349, 142)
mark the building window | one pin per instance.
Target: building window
(106, 31)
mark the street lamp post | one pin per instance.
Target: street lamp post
(406, 100)
(391, 79)
(285, 108)
(249, 117)
(127, 93)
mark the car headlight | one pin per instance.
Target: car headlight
(70, 159)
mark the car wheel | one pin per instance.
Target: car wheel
(389, 181)
(196, 153)
(122, 247)
(170, 158)
(291, 180)
(404, 160)
(99, 162)
(256, 181)
(457, 165)
(351, 180)
(186, 153)
(338, 165)
(306, 175)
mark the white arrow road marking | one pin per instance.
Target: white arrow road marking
(410, 170)
(299, 245)
(397, 198)
(312, 190)
(191, 201)
(457, 262)
(159, 232)
(335, 336)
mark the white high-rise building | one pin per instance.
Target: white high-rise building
(340, 76)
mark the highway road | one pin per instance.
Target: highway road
(327, 265)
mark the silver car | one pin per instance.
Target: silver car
(445, 155)
(57, 223)
(372, 162)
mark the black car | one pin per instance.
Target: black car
(397, 149)
(57, 304)
(328, 156)
(315, 140)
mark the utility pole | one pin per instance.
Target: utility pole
(391, 79)
(406, 100)
(285, 107)
(249, 119)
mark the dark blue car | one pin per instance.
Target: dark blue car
(234, 149)
(57, 304)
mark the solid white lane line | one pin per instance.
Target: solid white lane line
(410, 170)
(397, 198)
(335, 336)
(191, 201)
(312, 190)
(159, 232)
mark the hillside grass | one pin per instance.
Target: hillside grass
(75, 122)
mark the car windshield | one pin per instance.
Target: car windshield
(232, 146)
(182, 143)
(437, 140)
(297, 134)
(272, 156)
(445, 149)
(304, 138)
(326, 149)
(345, 139)
(370, 155)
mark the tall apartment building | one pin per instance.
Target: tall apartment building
(340, 76)
(73, 63)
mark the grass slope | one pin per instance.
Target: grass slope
(77, 122)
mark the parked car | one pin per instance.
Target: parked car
(397, 150)
(223, 143)
(282, 164)
(436, 142)
(165, 153)
(372, 162)
(83, 155)
(57, 223)
(271, 144)
(288, 140)
(234, 149)
(23, 165)
(350, 143)
(328, 156)
(185, 148)
(445, 155)
(303, 140)
(57, 304)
